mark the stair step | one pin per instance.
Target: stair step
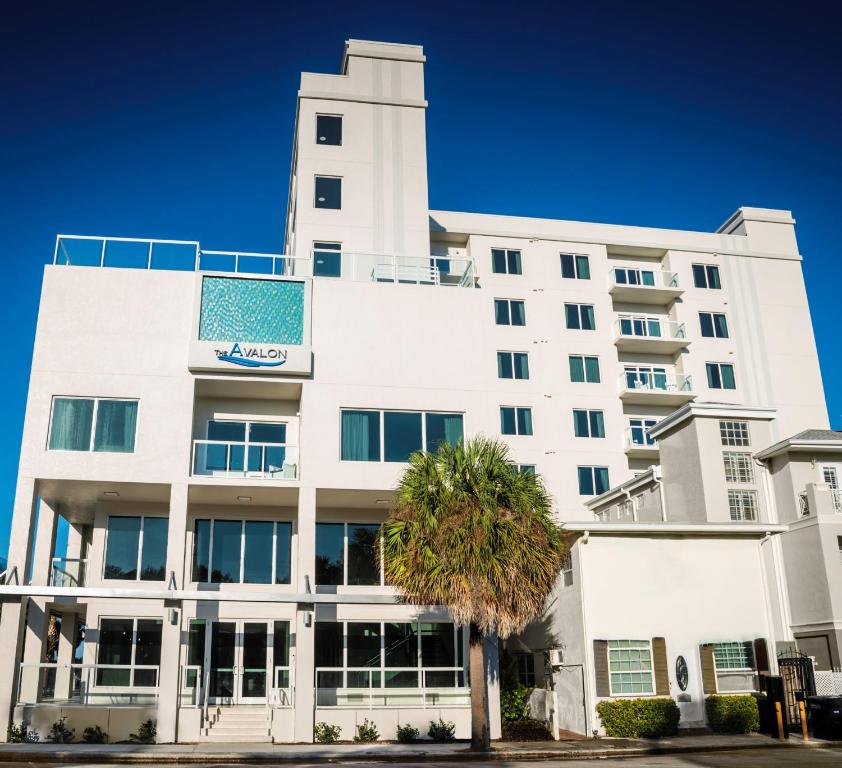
(238, 738)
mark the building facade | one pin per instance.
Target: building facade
(221, 433)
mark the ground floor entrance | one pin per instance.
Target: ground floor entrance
(239, 658)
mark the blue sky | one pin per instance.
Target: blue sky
(174, 120)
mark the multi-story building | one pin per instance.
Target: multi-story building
(222, 432)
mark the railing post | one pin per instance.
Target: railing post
(102, 253)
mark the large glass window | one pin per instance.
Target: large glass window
(706, 276)
(631, 325)
(87, 424)
(242, 446)
(330, 553)
(593, 480)
(721, 376)
(327, 259)
(509, 312)
(403, 433)
(129, 643)
(328, 192)
(575, 266)
(512, 365)
(136, 548)
(634, 276)
(588, 423)
(639, 431)
(714, 325)
(584, 368)
(347, 553)
(630, 667)
(580, 317)
(506, 262)
(515, 420)
(443, 428)
(360, 435)
(329, 130)
(242, 551)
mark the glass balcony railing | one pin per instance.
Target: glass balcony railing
(643, 278)
(271, 461)
(655, 328)
(655, 381)
(68, 572)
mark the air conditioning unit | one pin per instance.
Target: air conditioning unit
(556, 657)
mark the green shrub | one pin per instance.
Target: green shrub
(59, 733)
(526, 730)
(732, 714)
(146, 734)
(442, 731)
(94, 735)
(20, 734)
(513, 703)
(325, 733)
(366, 732)
(408, 733)
(639, 718)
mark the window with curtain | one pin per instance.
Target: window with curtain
(360, 436)
(116, 421)
(403, 433)
(111, 423)
(71, 425)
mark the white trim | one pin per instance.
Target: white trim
(668, 529)
(713, 410)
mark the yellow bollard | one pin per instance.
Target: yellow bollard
(802, 710)
(780, 718)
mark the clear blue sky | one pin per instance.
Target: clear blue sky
(174, 120)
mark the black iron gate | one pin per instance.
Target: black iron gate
(796, 669)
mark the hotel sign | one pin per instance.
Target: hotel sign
(245, 357)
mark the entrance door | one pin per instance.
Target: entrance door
(238, 662)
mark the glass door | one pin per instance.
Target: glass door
(253, 662)
(223, 662)
(238, 658)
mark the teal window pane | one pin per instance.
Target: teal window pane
(153, 558)
(116, 424)
(443, 427)
(498, 261)
(568, 266)
(653, 327)
(363, 554)
(121, 548)
(521, 365)
(721, 325)
(601, 479)
(727, 372)
(518, 311)
(571, 314)
(524, 421)
(257, 552)
(588, 322)
(699, 279)
(401, 435)
(275, 434)
(327, 259)
(577, 368)
(71, 424)
(201, 550)
(283, 553)
(583, 268)
(580, 423)
(501, 312)
(228, 431)
(330, 553)
(507, 421)
(360, 436)
(713, 277)
(647, 277)
(706, 322)
(225, 551)
(513, 260)
(252, 311)
(504, 365)
(592, 369)
(597, 424)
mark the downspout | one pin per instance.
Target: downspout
(631, 503)
(656, 476)
(586, 697)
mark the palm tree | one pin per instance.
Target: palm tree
(469, 532)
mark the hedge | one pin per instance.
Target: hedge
(526, 730)
(639, 718)
(732, 714)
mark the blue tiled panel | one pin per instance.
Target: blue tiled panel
(257, 311)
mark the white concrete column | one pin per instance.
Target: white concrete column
(169, 679)
(304, 705)
(45, 544)
(13, 614)
(35, 638)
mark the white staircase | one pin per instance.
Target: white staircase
(239, 724)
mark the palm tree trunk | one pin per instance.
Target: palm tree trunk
(480, 735)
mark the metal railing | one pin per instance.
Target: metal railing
(654, 381)
(645, 327)
(836, 498)
(387, 687)
(68, 572)
(187, 255)
(221, 458)
(113, 685)
(635, 277)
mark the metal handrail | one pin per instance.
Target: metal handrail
(662, 278)
(657, 382)
(668, 329)
(290, 451)
(77, 579)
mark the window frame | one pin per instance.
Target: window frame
(140, 543)
(641, 645)
(746, 644)
(738, 466)
(509, 303)
(728, 431)
(341, 127)
(740, 507)
(326, 246)
(593, 468)
(705, 268)
(595, 420)
(512, 356)
(94, 418)
(131, 666)
(711, 366)
(316, 178)
(584, 361)
(577, 260)
(517, 409)
(579, 315)
(644, 426)
(345, 524)
(507, 260)
(710, 317)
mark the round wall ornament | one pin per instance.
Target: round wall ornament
(681, 672)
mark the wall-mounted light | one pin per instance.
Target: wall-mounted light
(111, 494)
(173, 616)
(243, 498)
(308, 618)
(381, 501)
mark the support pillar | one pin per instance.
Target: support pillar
(305, 701)
(45, 544)
(169, 679)
(64, 676)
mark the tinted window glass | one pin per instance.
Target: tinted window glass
(231, 431)
(328, 192)
(363, 554)
(518, 313)
(327, 259)
(401, 435)
(147, 651)
(330, 553)
(328, 644)
(153, 560)
(257, 553)
(71, 425)
(443, 427)
(122, 548)
(360, 435)
(363, 644)
(268, 433)
(114, 647)
(329, 130)
(283, 550)
(225, 557)
(401, 645)
(116, 421)
(201, 550)
(437, 646)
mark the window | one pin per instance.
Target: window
(639, 431)
(327, 259)
(734, 433)
(88, 424)
(328, 192)
(373, 654)
(721, 376)
(515, 420)
(329, 130)
(714, 325)
(584, 368)
(129, 643)
(742, 505)
(509, 312)
(830, 477)
(630, 667)
(523, 469)
(593, 480)
(136, 548)
(632, 325)
(253, 447)
(706, 276)
(505, 262)
(526, 669)
(733, 655)
(579, 317)
(395, 435)
(575, 266)
(630, 276)
(738, 467)
(588, 423)
(567, 569)
(347, 553)
(512, 365)
(647, 377)
(242, 552)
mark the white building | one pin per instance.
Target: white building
(222, 432)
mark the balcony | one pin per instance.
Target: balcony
(325, 262)
(636, 333)
(656, 388)
(68, 572)
(643, 286)
(638, 444)
(262, 461)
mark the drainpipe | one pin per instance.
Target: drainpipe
(631, 503)
(656, 476)
(587, 699)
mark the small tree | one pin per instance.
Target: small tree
(469, 532)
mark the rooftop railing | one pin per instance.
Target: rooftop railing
(323, 262)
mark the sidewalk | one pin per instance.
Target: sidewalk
(322, 753)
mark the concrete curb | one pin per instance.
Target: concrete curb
(81, 753)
